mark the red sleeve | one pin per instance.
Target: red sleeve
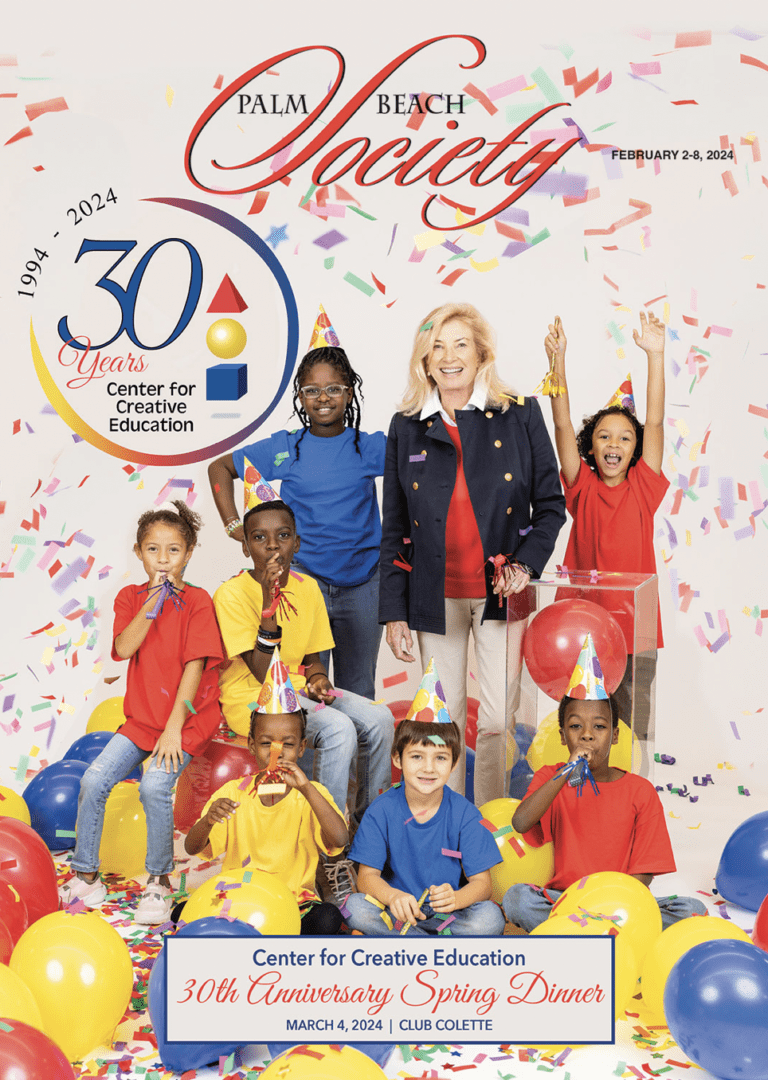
(202, 639)
(651, 847)
(541, 833)
(574, 491)
(125, 609)
(651, 486)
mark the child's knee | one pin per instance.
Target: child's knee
(95, 783)
(515, 901)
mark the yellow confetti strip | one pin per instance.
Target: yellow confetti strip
(687, 537)
(666, 314)
(694, 451)
(373, 900)
(56, 630)
(80, 641)
(746, 611)
(695, 826)
(673, 815)
(747, 257)
(462, 218)
(34, 751)
(96, 667)
(386, 920)
(169, 96)
(428, 239)
(47, 656)
(682, 427)
(620, 354)
(484, 267)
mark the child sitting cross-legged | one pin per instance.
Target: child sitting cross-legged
(616, 824)
(278, 818)
(417, 840)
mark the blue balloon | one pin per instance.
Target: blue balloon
(742, 876)
(194, 1055)
(88, 747)
(716, 1005)
(519, 779)
(52, 800)
(524, 734)
(378, 1052)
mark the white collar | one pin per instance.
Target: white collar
(433, 404)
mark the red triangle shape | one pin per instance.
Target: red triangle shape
(227, 298)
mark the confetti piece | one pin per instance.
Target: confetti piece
(450, 854)
(393, 680)
(363, 286)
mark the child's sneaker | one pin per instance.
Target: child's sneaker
(341, 877)
(92, 893)
(155, 904)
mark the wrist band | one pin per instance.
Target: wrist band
(271, 635)
(232, 526)
(265, 647)
(270, 644)
(314, 674)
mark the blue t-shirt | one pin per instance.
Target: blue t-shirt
(409, 855)
(332, 491)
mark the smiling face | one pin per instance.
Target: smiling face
(425, 768)
(267, 533)
(163, 550)
(324, 412)
(588, 730)
(454, 360)
(613, 444)
(267, 728)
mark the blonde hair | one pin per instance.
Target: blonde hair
(420, 384)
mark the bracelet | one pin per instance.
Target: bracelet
(266, 641)
(231, 526)
(265, 648)
(272, 635)
(315, 673)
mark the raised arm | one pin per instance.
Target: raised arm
(565, 437)
(651, 341)
(222, 475)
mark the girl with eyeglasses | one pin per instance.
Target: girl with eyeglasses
(328, 473)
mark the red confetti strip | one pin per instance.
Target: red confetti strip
(391, 680)
(753, 61)
(37, 108)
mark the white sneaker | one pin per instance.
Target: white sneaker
(92, 893)
(342, 879)
(155, 904)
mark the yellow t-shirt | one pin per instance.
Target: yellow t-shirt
(284, 839)
(238, 608)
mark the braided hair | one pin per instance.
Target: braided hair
(336, 358)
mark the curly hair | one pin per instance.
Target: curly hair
(336, 358)
(185, 520)
(274, 504)
(584, 438)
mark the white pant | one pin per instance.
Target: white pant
(450, 655)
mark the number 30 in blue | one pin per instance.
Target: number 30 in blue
(126, 298)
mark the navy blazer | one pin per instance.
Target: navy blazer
(514, 486)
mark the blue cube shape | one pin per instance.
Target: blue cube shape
(226, 382)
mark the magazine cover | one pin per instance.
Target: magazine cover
(194, 198)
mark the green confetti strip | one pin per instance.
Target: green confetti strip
(428, 326)
(436, 740)
(191, 707)
(308, 196)
(328, 263)
(615, 332)
(362, 213)
(547, 87)
(566, 50)
(68, 833)
(604, 126)
(358, 283)
(18, 539)
(540, 236)
(42, 705)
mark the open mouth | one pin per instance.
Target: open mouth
(612, 459)
(451, 370)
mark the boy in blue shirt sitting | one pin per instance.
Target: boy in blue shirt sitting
(417, 839)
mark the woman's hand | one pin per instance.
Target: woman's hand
(400, 641)
(514, 579)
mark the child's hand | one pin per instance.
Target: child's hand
(405, 908)
(272, 573)
(320, 688)
(292, 774)
(586, 752)
(220, 810)
(168, 748)
(442, 899)
(651, 336)
(555, 342)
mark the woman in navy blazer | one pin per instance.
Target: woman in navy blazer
(470, 474)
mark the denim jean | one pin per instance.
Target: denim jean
(352, 725)
(353, 614)
(482, 919)
(119, 757)
(527, 906)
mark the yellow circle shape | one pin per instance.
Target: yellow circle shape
(12, 805)
(260, 899)
(107, 716)
(226, 338)
(124, 837)
(522, 863)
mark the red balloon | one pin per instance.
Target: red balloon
(222, 760)
(760, 932)
(28, 1054)
(470, 733)
(554, 639)
(26, 863)
(399, 709)
(13, 910)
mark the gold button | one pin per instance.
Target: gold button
(507, 476)
(489, 414)
(497, 443)
(429, 423)
(509, 509)
(416, 486)
(416, 523)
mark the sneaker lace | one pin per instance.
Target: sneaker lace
(341, 878)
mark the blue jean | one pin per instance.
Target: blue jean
(353, 614)
(119, 757)
(352, 724)
(527, 906)
(482, 919)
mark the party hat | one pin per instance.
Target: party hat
(257, 490)
(277, 694)
(429, 704)
(587, 679)
(323, 333)
(623, 396)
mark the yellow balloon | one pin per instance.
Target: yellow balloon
(12, 805)
(226, 338)
(522, 862)
(124, 839)
(17, 1001)
(420, 701)
(671, 945)
(547, 747)
(261, 899)
(80, 973)
(107, 716)
(626, 967)
(344, 1063)
(626, 899)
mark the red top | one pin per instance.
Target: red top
(464, 558)
(613, 530)
(155, 669)
(622, 829)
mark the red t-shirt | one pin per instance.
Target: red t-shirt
(613, 530)
(464, 558)
(623, 829)
(155, 669)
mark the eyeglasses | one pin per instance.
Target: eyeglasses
(313, 392)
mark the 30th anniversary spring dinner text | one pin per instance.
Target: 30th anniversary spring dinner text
(400, 989)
